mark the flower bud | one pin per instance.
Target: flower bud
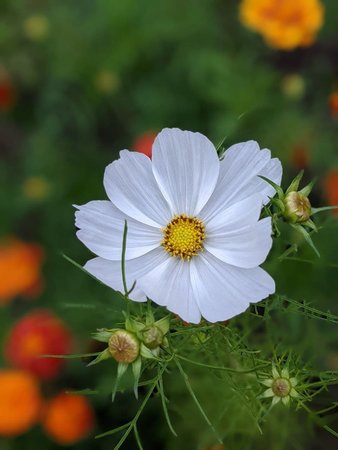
(152, 337)
(124, 346)
(281, 387)
(297, 207)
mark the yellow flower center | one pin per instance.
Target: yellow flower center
(184, 236)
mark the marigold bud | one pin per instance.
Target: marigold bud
(153, 337)
(124, 346)
(297, 207)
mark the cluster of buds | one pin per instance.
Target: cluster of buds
(140, 339)
(295, 208)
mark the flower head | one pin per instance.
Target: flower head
(297, 207)
(20, 404)
(194, 241)
(124, 346)
(38, 333)
(68, 418)
(285, 24)
(280, 386)
(20, 266)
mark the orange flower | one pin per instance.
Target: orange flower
(285, 24)
(38, 333)
(7, 92)
(331, 189)
(144, 143)
(68, 418)
(20, 402)
(20, 269)
(333, 104)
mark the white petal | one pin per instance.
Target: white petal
(186, 167)
(244, 247)
(131, 186)
(241, 213)
(169, 285)
(101, 230)
(223, 291)
(110, 273)
(238, 177)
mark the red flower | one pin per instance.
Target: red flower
(38, 333)
(144, 143)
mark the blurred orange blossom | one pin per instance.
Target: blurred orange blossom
(68, 418)
(38, 333)
(20, 402)
(284, 24)
(20, 265)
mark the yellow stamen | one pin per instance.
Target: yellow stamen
(184, 236)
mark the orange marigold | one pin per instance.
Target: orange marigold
(144, 143)
(38, 333)
(20, 402)
(331, 189)
(285, 24)
(20, 265)
(68, 418)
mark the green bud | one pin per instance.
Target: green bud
(297, 207)
(124, 346)
(152, 337)
(281, 387)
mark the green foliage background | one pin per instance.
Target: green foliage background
(174, 63)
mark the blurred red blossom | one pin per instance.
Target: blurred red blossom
(144, 143)
(7, 91)
(300, 157)
(38, 333)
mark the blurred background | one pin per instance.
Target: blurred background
(80, 81)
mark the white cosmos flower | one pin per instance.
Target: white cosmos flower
(195, 241)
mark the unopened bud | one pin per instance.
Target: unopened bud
(281, 387)
(124, 346)
(297, 207)
(152, 337)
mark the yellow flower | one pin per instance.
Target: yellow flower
(284, 24)
(280, 386)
